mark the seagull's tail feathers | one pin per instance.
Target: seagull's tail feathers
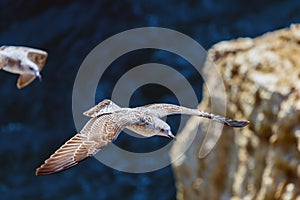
(68, 155)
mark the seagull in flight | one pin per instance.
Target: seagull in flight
(27, 62)
(108, 120)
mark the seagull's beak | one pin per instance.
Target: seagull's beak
(170, 135)
(37, 74)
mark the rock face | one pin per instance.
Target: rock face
(262, 161)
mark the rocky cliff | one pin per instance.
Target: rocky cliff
(262, 161)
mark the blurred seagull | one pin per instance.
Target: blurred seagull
(27, 62)
(108, 120)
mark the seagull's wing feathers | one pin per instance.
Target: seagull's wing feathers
(226, 121)
(162, 110)
(24, 80)
(71, 153)
(39, 57)
(104, 107)
(97, 133)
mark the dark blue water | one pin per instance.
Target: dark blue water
(36, 120)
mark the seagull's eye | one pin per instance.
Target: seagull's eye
(31, 68)
(163, 130)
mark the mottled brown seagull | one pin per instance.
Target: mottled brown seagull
(27, 62)
(160, 110)
(108, 120)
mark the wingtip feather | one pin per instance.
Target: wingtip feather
(70, 154)
(237, 124)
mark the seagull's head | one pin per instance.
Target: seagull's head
(163, 129)
(30, 67)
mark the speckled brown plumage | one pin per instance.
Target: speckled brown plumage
(108, 120)
(97, 133)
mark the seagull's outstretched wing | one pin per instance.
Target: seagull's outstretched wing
(96, 134)
(24, 80)
(163, 109)
(37, 56)
(77, 149)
